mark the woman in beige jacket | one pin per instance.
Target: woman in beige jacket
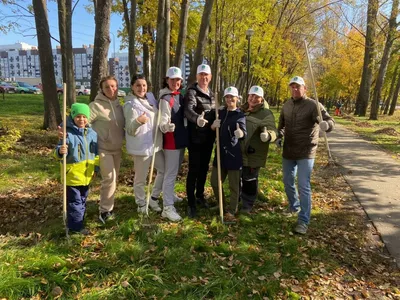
(107, 119)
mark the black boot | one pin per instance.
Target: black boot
(192, 213)
(202, 202)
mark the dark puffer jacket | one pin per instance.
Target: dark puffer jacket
(298, 124)
(231, 155)
(196, 102)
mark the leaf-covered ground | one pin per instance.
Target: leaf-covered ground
(341, 257)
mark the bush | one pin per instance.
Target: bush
(8, 138)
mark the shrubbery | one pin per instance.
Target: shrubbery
(8, 138)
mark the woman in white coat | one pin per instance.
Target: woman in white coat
(175, 134)
(140, 128)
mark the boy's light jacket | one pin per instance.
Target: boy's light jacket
(82, 157)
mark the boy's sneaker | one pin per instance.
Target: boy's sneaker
(106, 216)
(170, 213)
(153, 204)
(246, 210)
(290, 213)
(230, 218)
(141, 209)
(202, 202)
(301, 228)
(83, 231)
(177, 199)
(192, 212)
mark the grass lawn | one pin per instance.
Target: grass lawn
(384, 132)
(258, 258)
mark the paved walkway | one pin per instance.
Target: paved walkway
(374, 177)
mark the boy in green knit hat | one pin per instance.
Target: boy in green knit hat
(82, 164)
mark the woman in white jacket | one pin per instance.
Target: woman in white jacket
(140, 126)
(173, 126)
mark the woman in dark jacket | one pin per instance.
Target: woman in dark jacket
(200, 113)
(232, 127)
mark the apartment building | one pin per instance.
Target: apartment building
(21, 61)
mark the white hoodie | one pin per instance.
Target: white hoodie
(140, 137)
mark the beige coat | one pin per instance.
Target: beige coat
(107, 119)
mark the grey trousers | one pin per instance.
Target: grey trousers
(141, 165)
(234, 186)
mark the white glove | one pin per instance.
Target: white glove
(324, 126)
(238, 132)
(265, 136)
(201, 122)
(168, 127)
(216, 124)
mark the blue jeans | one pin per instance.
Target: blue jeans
(301, 198)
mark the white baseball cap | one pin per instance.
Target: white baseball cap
(174, 72)
(203, 68)
(298, 80)
(257, 90)
(231, 91)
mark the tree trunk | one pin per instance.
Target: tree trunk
(384, 62)
(146, 64)
(52, 115)
(160, 42)
(130, 25)
(65, 29)
(167, 41)
(215, 63)
(101, 44)
(366, 79)
(394, 99)
(202, 40)
(183, 20)
(392, 84)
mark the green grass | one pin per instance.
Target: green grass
(257, 258)
(384, 132)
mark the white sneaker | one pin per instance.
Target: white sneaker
(170, 213)
(177, 199)
(141, 209)
(154, 205)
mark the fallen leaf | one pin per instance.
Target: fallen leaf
(57, 291)
(125, 284)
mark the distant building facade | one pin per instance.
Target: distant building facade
(119, 67)
(21, 60)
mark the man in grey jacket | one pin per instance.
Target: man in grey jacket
(299, 126)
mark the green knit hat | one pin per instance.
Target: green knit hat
(80, 109)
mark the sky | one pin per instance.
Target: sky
(82, 26)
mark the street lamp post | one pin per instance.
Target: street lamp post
(249, 34)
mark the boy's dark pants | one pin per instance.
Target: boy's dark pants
(76, 206)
